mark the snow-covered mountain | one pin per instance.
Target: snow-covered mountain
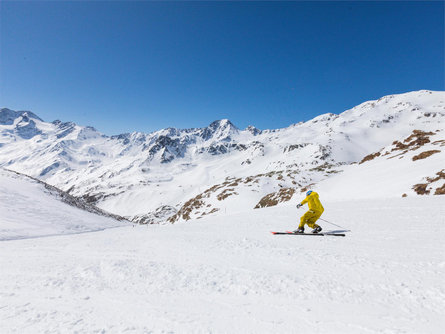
(178, 174)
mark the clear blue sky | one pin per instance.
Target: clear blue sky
(142, 66)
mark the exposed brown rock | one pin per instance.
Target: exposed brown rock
(212, 211)
(417, 139)
(184, 213)
(404, 195)
(419, 136)
(425, 154)
(323, 168)
(425, 188)
(272, 199)
(440, 175)
(421, 189)
(370, 157)
(439, 142)
(214, 188)
(400, 155)
(161, 214)
(208, 213)
(226, 193)
(440, 190)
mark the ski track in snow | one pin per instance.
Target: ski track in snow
(228, 274)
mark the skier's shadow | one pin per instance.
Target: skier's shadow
(336, 231)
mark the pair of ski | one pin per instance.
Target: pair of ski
(320, 234)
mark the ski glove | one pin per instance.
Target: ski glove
(299, 205)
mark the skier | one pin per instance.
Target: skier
(312, 215)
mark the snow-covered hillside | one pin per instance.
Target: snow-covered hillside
(28, 210)
(412, 166)
(192, 173)
(228, 274)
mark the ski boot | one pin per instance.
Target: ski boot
(317, 230)
(299, 230)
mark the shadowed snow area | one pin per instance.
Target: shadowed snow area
(28, 210)
(228, 274)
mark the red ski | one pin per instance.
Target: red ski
(320, 234)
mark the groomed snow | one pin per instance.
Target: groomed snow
(228, 274)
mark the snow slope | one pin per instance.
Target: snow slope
(136, 174)
(28, 210)
(394, 172)
(228, 274)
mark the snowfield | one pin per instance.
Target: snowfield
(228, 274)
(29, 210)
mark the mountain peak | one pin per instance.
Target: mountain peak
(222, 123)
(7, 116)
(253, 130)
(220, 130)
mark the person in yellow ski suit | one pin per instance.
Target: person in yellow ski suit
(312, 215)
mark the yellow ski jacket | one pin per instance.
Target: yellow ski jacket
(313, 202)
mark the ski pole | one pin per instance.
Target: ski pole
(332, 223)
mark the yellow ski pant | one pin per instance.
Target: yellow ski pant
(309, 218)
